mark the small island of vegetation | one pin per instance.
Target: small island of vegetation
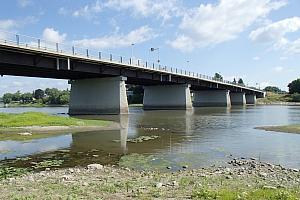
(30, 125)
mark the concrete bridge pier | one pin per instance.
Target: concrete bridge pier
(251, 99)
(212, 98)
(98, 96)
(238, 98)
(167, 97)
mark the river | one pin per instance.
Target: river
(198, 138)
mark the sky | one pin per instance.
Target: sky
(257, 40)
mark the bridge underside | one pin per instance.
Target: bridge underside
(93, 81)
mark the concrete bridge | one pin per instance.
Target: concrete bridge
(98, 80)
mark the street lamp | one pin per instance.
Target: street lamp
(132, 50)
(154, 49)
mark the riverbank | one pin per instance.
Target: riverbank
(32, 125)
(239, 179)
(295, 128)
(279, 99)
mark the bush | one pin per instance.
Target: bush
(295, 97)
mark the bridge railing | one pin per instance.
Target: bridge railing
(36, 43)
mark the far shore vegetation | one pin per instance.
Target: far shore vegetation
(56, 97)
(276, 95)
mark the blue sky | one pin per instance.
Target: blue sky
(257, 40)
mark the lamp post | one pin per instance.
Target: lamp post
(132, 50)
(156, 49)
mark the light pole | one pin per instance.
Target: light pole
(132, 50)
(156, 49)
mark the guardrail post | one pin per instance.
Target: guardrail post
(146, 64)
(73, 50)
(87, 53)
(18, 39)
(121, 59)
(56, 47)
(138, 62)
(100, 55)
(110, 57)
(153, 66)
(130, 61)
(39, 43)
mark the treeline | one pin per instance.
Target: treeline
(50, 96)
(294, 90)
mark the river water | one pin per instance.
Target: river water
(197, 138)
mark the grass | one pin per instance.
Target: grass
(275, 98)
(295, 128)
(41, 119)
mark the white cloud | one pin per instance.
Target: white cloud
(256, 58)
(51, 35)
(24, 3)
(139, 35)
(8, 24)
(278, 69)
(211, 24)
(161, 9)
(275, 34)
(87, 11)
(264, 84)
(283, 58)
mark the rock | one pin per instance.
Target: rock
(228, 177)
(174, 183)
(25, 134)
(95, 166)
(47, 169)
(263, 174)
(159, 185)
(85, 184)
(66, 177)
(71, 170)
(169, 167)
(269, 187)
(295, 170)
(95, 156)
(185, 166)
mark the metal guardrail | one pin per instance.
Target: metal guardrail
(39, 44)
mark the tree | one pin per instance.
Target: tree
(64, 98)
(218, 77)
(7, 98)
(39, 94)
(272, 89)
(27, 97)
(241, 82)
(294, 86)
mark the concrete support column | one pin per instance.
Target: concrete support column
(167, 97)
(98, 96)
(211, 98)
(238, 98)
(251, 99)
